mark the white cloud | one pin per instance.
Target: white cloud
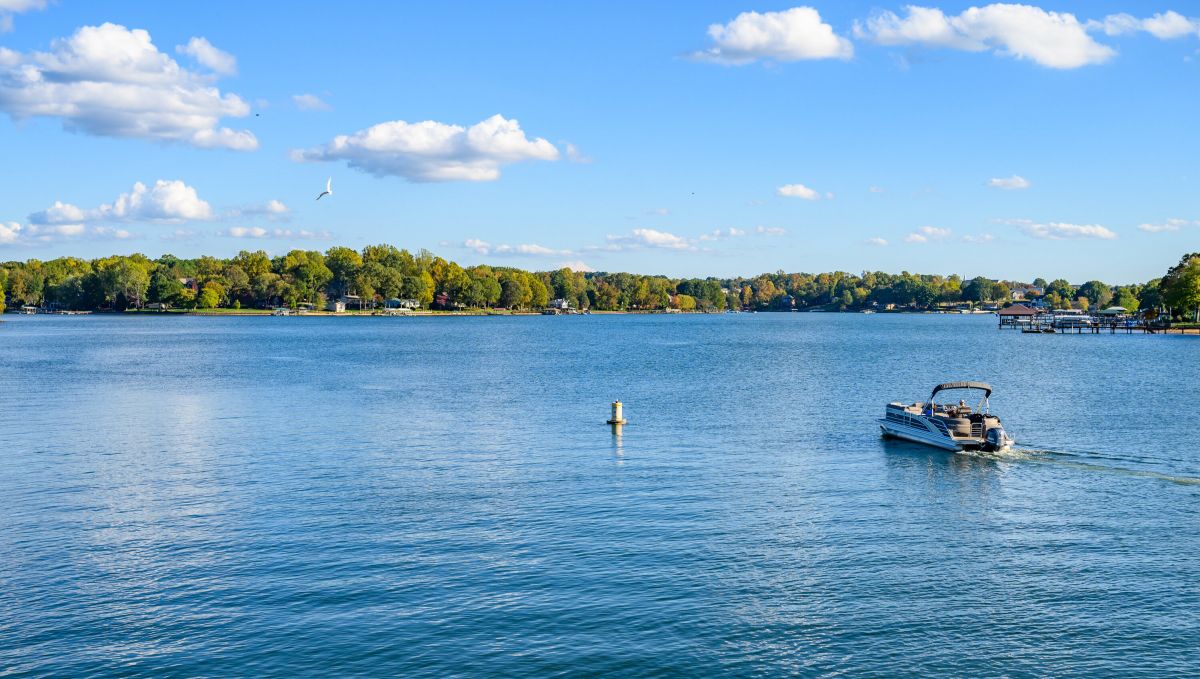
(59, 213)
(13, 233)
(576, 265)
(877, 189)
(18, 6)
(166, 201)
(1167, 25)
(980, 239)
(1050, 39)
(575, 155)
(533, 249)
(279, 234)
(1062, 230)
(10, 232)
(217, 61)
(481, 246)
(798, 191)
(637, 239)
(430, 151)
(881, 242)
(926, 234)
(527, 249)
(790, 35)
(1013, 183)
(274, 210)
(310, 102)
(10, 7)
(648, 238)
(1169, 225)
(659, 212)
(112, 81)
(719, 234)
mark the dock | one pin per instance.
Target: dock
(1036, 322)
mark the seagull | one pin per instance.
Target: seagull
(328, 189)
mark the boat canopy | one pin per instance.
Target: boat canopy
(987, 388)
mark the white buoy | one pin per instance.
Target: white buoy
(617, 416)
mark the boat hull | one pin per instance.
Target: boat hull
(916, 436)
(889, 430)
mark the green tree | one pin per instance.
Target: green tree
(386, 281)
(539, 296)
(255, 263)
(1181, 285)
(210, 295)
(237, 283)
(1127, 297)
(978, 289)
(1061, 288)
(343, 264)
(1001, 292)
(24, 286)
(165, 287)
(308, 273)
(1151, 295)
(124, 280)
(1098, 293)
(514, 290)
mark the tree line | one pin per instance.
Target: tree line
(379, 273)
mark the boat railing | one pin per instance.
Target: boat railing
(939, 425)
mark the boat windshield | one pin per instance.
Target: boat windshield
(960, 408)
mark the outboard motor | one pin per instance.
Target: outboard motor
(996, 439)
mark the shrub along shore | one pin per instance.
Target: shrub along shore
(379, 276)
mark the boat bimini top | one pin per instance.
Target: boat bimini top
(987, 388)
(983, 386)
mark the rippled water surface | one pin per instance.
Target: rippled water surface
(406, 497)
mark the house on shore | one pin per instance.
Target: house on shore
(343, 303)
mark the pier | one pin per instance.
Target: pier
(1032, 321)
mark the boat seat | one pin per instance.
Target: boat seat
(959, 425)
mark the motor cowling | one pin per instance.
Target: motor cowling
(995, 439)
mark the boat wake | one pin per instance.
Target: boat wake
(1084, 461)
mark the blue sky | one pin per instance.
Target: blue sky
(1004, 141)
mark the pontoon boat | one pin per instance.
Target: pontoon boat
(950, 426)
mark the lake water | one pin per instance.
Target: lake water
(191, 496)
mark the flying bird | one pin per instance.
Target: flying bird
(328, 189)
